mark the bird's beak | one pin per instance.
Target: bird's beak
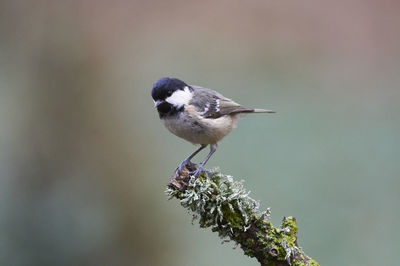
(157, 103)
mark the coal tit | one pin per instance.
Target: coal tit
(198, 115)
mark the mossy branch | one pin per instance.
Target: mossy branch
(223, 204)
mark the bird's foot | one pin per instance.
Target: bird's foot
(186, 164)
(182, 165)
(197, 172)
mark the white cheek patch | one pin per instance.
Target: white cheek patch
(180, 97)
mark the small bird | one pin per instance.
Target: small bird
(198, 115)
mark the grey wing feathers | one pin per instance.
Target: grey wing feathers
(211, 104)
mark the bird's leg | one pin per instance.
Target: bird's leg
(213, 148)
(187, 160)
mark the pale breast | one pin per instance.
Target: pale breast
(192, 127)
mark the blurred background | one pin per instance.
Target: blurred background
(84, 159)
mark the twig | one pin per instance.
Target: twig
(224, 205)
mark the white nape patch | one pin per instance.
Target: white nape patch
(205, 109)
(217, 108)
(180, 97)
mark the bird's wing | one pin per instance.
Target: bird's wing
(211, 104)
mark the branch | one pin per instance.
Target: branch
(223, 204)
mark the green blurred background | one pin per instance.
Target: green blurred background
(84, 160)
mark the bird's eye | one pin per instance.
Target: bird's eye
(169, 92)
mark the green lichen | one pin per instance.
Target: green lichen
(224, 205)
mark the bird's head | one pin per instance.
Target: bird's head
(170, 95)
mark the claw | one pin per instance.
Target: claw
(197, 172)
(186, 165)
(182, 165)
(187, 162)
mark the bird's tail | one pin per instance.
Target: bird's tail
(263, 111)
(247, 110)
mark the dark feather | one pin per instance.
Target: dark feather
(211, 104)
